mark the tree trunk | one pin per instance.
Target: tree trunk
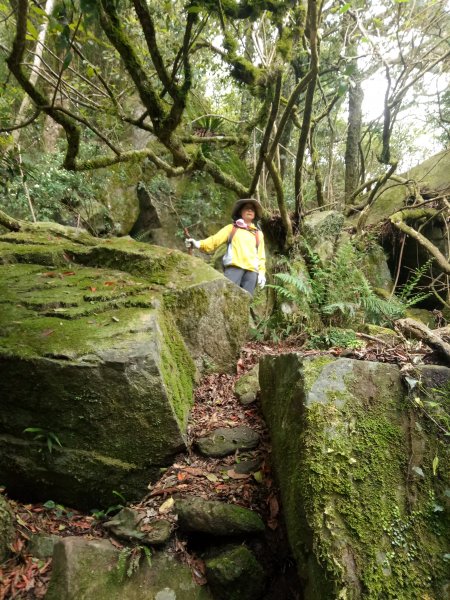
(36, 65)
(352, 166)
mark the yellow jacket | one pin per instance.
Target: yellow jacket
(242, 251)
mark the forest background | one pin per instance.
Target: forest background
(308, 106)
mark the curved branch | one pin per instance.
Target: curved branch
(10, 223)
(14, 61)
(130, 156)
(21, 125)
(398, 219)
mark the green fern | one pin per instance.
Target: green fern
(407, 293)
(298, 289)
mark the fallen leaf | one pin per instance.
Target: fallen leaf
(167, 505)
(109, 283)
(68, 272)
(47, 332)
(93, 289)
(211, 477)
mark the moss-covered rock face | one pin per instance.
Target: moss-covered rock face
(83, 570)
(235, 574)
(321, 230)
(93, 357)
(362, 522)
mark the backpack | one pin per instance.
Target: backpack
(233, 231)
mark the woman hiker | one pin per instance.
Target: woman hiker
(245, 259)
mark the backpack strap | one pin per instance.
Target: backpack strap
(232, 234)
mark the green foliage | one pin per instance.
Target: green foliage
(334, 337)
(130, 559)
(435, 404)
(49, 437)
(56, 194)
(335, 294)
(408, 293)
(58, 509)
(103, 513)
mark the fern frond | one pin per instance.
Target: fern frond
(348, 309)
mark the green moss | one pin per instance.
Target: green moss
(177, 369)
(348, 487)
(312, 368)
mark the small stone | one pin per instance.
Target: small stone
(157, 533)
(247, 386)
(125, 525)
(247, 466)
(226, 440)
(128, 524)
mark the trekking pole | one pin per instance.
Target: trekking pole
(187, 235)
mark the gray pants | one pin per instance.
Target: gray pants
(244, 279)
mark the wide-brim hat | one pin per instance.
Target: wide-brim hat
(240, 203)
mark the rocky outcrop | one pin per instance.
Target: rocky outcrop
(431, 178)
(363, 493)
(98, 358)
(83, 570)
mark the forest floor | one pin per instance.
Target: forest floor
(24, 577)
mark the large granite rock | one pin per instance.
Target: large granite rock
(83, 570)
(95, 353)
(362, 498)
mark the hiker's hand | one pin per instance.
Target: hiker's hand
(190, 242)
(261, 280)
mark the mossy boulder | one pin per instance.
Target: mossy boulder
(360, 523)
(216, 518)
(235, 574)
(6, 528)
(321, 231)
(83, 570)
(95, 360)
(375, 267)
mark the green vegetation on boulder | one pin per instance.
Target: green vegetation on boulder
(83, 570)
(235, 574)
(361, 523)
(93, 354)
(216, 518)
